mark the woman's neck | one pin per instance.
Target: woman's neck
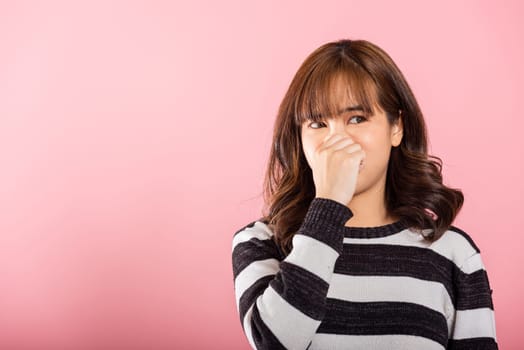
(369, 210)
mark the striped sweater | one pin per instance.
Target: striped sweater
(361, 288)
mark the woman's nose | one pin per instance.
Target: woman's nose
(337, 127)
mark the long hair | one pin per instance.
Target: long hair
(414, 190)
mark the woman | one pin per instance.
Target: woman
(356, 249)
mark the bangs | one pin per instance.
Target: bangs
(331, 87)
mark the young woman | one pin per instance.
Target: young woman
(356, 249)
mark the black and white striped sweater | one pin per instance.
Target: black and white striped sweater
(361, 288)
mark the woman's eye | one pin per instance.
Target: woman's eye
(315, 125)
(357, 119)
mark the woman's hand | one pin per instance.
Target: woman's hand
(335, 165)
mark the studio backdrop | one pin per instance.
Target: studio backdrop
(134, 137)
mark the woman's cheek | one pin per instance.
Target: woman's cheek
(311, 152)
(306, 148)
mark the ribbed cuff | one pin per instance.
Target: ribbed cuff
(325, 220)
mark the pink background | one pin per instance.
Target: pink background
(134, 137)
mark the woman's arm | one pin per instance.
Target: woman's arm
(474, 326)
(281, 303)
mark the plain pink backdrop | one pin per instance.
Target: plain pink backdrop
(134, 136)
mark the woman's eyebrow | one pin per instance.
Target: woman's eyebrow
(351, 108)
(344, 110)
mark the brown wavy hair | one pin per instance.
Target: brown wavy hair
(414, 189)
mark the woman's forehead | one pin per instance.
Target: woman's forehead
(344, 98)
(326, 95)
(346, 90)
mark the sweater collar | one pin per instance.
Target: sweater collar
(374, 232)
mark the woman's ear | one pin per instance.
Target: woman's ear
(397, 131)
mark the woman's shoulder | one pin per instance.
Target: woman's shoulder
(258, 227)
(256, 240)
(256, 230)
(457, 245)
(468, 240)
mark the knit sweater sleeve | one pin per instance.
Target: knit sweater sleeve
(281, 303)
(474, 326)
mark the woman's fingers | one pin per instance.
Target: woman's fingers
(342, 143)
(336, 165)
(333, 140)
(330, 140)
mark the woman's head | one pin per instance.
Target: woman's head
(370, 127)
(336, 76)
(371, 78)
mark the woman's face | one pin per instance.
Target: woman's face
(374, 134)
